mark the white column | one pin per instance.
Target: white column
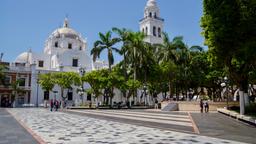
(33, 84)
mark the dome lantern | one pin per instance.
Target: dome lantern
(66, 23)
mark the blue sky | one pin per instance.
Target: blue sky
(27, 24)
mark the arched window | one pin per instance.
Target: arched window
(154, 31)
(146, 31)
(56, 44)
(150, 14)
(155, 15)
(143, 30)
(159, 32)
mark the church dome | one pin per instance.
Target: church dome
(24, 57)
(65, 31)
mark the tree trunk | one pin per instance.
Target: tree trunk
(135, 70)
(246, 98)
(241, 99)
(170, 89)
(245, 85)
(125, 74)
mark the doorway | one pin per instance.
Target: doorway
(5, 101)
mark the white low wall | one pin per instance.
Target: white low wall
(195, 106)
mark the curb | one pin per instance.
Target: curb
(30, 131)
(196, 130)
(243, 118)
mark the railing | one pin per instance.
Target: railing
(157, 18)
(19, 69)
(10, 87)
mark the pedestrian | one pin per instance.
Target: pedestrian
(156, 103)
(206, 107)
(56, 103)
(51, 105)
(202, 106)
(60, 104)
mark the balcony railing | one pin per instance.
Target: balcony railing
(157, 18)
(19, 69)
(9, 87)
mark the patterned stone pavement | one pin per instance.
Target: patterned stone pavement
(58, 128)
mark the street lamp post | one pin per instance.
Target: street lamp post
(225, 84)
(81, 90)
(145, 93)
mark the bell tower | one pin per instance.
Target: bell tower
(152, 24)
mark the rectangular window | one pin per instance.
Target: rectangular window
(69, 46)
(89, 97)
(40, 63)
(75, 63)
(70, 95)
(22, 82)
(46, 95)
(7, 80)
(80, 48)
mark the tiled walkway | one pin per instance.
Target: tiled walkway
(57, 127)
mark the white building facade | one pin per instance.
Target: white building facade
(64, 51)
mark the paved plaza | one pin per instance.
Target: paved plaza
(60, 127)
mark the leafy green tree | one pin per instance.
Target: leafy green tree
(229, 31)
(114, 80)
(94, 78)
(47, 81)
(65, 80)
(132, 85)
(106, 42)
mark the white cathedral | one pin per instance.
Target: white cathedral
(66, 50)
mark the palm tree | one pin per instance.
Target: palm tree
(136, 48)
(105, 42)
(168, 54)
(135, 51)
(123, 35)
